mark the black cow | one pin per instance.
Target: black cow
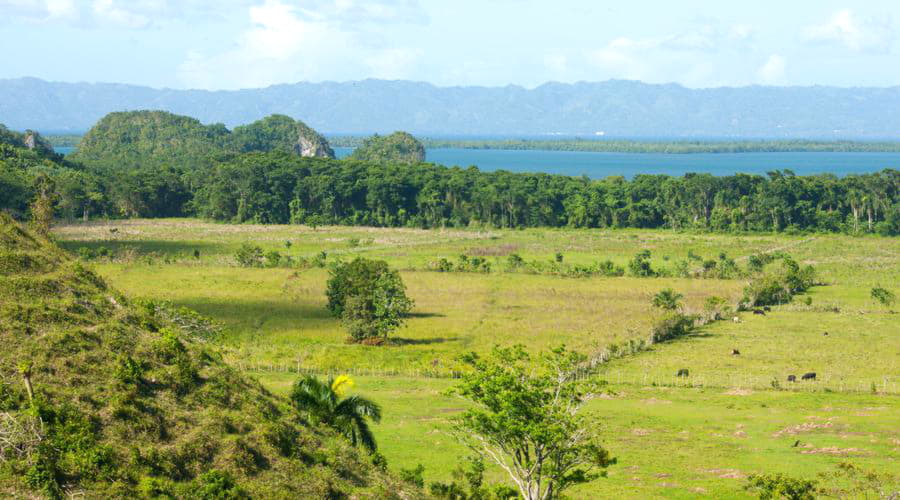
(683, 372)
(759, 311)
(809, 376)
(792, 378)
(735, 352)
(825, 334)
(767, 308)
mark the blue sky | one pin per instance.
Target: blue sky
(228, 44)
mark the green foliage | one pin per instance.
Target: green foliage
(322, 402)
(397, 148)
(249, 255)
(672, 326)
(779, 283)
(883, 296)
(667, 299)
(218, 484)
(468, 484)
(528, 420)
(368, 296)
(639, 266)
(280, 133)
(777, 486)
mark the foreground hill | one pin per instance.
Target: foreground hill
(619, 108)
(105, 397)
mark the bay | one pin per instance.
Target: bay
(600, 165)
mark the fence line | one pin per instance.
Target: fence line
(887, 385)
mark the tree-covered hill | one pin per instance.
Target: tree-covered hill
(397, 148)
(142, 139)
(105, 397)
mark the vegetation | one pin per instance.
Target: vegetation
(528, 423)
(399, 148)
(369, 297)
(778, 486)
(323, 402)
(119, 399)
(667, 299)
(883, 296)
(632, 146)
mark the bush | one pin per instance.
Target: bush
(249, 255)
(219, 485)
(883, 296)
(640, 265)
(776, 486)
(672, 326)
(368, 296)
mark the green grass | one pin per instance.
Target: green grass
(673, 437)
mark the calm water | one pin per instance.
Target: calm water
(600, 165)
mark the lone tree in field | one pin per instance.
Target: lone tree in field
(883, 296)
(667, 299)
(525, 418)
(369, 297)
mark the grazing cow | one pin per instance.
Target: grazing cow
(736, 319)
(792, 378)
(767, 308)
(759, 311)
(683, 372)
(809, 376)
(825, 334)
(735, 352)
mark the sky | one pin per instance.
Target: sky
(230, 44)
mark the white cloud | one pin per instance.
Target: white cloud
(286, 43)
(847, 30)
(39, 10)
(773, 70)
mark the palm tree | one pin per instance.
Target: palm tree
(667, 299)
(323, 403)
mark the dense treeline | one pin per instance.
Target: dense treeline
(283, 187)
(641, 146)
(276, 188)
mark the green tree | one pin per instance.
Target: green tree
(667, 299)
(640, 265)
(527, 420)
(397, 148)
(778, 486)
(369, 297)
(323, 402)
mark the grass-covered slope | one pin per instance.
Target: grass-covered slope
(129, 402)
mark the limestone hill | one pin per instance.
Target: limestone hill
(130, 399)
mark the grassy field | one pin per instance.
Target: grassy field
(673, 437)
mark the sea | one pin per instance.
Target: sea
(601, 165)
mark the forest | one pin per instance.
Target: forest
(264, 182)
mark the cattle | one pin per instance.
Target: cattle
(759, 311)
(736, 319)
(735, 352)
(825, 334)
(792, 378)
(683, 372)
(809, 376)
(767, 308)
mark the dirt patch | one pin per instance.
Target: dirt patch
(726, 473)
(804, 427)
(641, 432)
(739, 392)
(662, 475)
(654, 401)
(494, 251)
(740, 434)
(834, 451)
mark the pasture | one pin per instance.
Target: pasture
(673, 437)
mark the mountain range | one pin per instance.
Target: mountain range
(614, 108)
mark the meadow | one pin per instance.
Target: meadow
(673, 437)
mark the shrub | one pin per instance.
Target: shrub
(672, 326)
(776, 486)
(249, 255)
(273, 258)
(883, 296)
(219, 485)
(640, 265)
(667, 299)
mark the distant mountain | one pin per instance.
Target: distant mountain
(616, 108)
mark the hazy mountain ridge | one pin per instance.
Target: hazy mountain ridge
(618, 108)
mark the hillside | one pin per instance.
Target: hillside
(618, 108)
(129, 400)
(397, 148)
(160, 138)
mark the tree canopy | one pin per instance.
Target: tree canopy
(397, 148)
